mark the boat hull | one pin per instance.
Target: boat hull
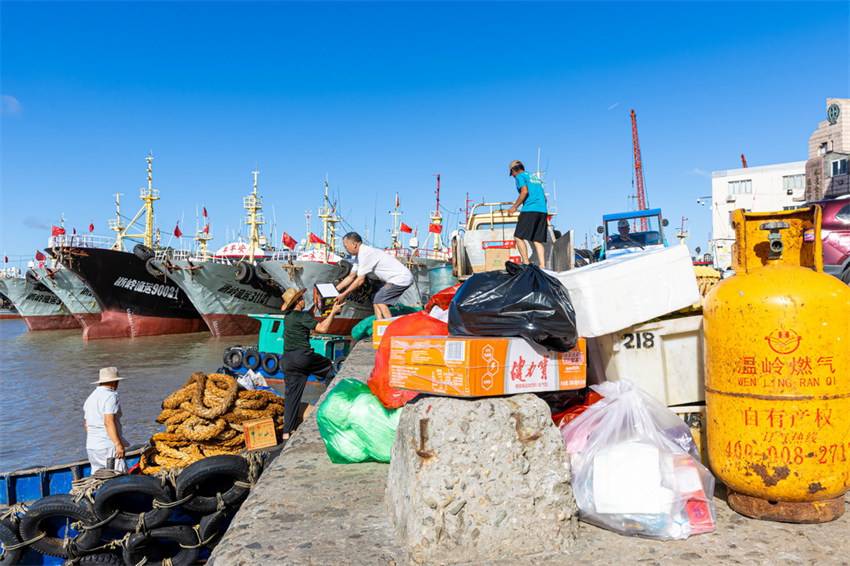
(223, 302)
(133, 302)
(72, 291)
(40, 308)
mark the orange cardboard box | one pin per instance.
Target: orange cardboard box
(378, 329)
(259, 433)
(478, 366)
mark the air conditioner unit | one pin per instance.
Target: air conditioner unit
(730, 198)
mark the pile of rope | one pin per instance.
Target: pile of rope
(204, 418)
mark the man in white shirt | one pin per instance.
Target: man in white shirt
(396, 277)
(104, 438)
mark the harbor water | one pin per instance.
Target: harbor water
(46, 377)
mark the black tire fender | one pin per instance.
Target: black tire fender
(177, 543)
(142, 252)
(43, 515)
(244, 272)
(214, 475)
(153, 269)
(130, 497)
(344, 268)
(213, 527)
(337, 363)
(102, 559)
(252, 359)
(270, 363)
(261, 273)
(9, 537)
(233, 357)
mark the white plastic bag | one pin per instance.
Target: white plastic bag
(636, 469)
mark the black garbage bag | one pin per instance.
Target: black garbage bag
(521, 301)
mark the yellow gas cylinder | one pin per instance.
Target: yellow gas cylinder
(777, 372)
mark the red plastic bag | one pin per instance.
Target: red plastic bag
(416, 324)
(564, 418)
(442, 299)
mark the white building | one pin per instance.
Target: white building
(755, 189)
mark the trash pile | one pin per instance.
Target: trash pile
(133, 519)
(205, 418)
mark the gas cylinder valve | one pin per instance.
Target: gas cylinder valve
(775, 238)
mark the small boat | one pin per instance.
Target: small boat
(40, 308)
(25, 486)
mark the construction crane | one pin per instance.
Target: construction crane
(744, 160)
(641, 193)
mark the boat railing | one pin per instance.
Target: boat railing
(79, 241)
(283, 255)
(10, 272)
(419, 253)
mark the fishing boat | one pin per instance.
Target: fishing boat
(7, 309)
(40, 308)
(133, 302)
(227, 287)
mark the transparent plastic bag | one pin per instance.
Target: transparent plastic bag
(636, 469)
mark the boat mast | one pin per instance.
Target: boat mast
(253, 204)
(329, 221)
(437, 219)
(149, 195)
(116, 225)
(202, 236)
(395, 244)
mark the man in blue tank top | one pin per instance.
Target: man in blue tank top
(534, 219)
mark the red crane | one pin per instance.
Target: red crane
(641, 193)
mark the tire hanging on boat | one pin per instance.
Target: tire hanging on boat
(152, 269)
(213, 478)
(133, 498)
(270, 363)
(244, 272)
(261, 273)
(9, 537)
(178, 544)
(213, 526)
(251, 359)
(58, 517)
(142, 252)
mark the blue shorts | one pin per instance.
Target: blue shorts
(389, 294)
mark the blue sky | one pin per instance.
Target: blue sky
(380, 96)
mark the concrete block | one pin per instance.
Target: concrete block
(474, 480)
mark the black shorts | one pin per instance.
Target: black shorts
(531, 226)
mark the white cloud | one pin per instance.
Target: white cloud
(701, 173)
(10, 106)
(613, 106)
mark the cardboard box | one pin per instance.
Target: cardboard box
(324, 296)
(378, 329)
(478, 366)
(259, 433)
(497, 252)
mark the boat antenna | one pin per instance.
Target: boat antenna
(253, 205)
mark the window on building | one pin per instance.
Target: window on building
(822, 149)
(741, 187)
(839, 167)
(791, 182)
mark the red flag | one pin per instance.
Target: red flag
(406, 228)
(396, 200)
(6, 258)
(56, 231)
(288, 241)
(314, 239)
(74, 230)
(205, 212)
(177, 232)
(91, 227)
(39, 256)
(207, 228)
(435, 228)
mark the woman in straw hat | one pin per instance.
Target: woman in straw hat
(299, 359)
(104, 438)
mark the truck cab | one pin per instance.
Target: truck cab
(631, 232)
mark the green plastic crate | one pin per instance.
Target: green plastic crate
(331, 346)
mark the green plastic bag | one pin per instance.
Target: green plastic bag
(363, 329)
(355, 426)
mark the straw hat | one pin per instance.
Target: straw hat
(290, 297)
(108, 375)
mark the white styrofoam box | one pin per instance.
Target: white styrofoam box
(664, 358)
(617, 293)
(627, 479)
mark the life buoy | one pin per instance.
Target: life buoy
(251, 359)
(233, 357)
(244, 272)
(142, 252)
(270, 363)
(9, 537)
(133, 499)
(210, 478)
(52, 516)
(178, 544)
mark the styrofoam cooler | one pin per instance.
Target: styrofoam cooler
(618, 293)
(663, 358)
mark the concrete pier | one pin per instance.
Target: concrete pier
(307, 511)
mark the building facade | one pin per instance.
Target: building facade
(827, 172)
